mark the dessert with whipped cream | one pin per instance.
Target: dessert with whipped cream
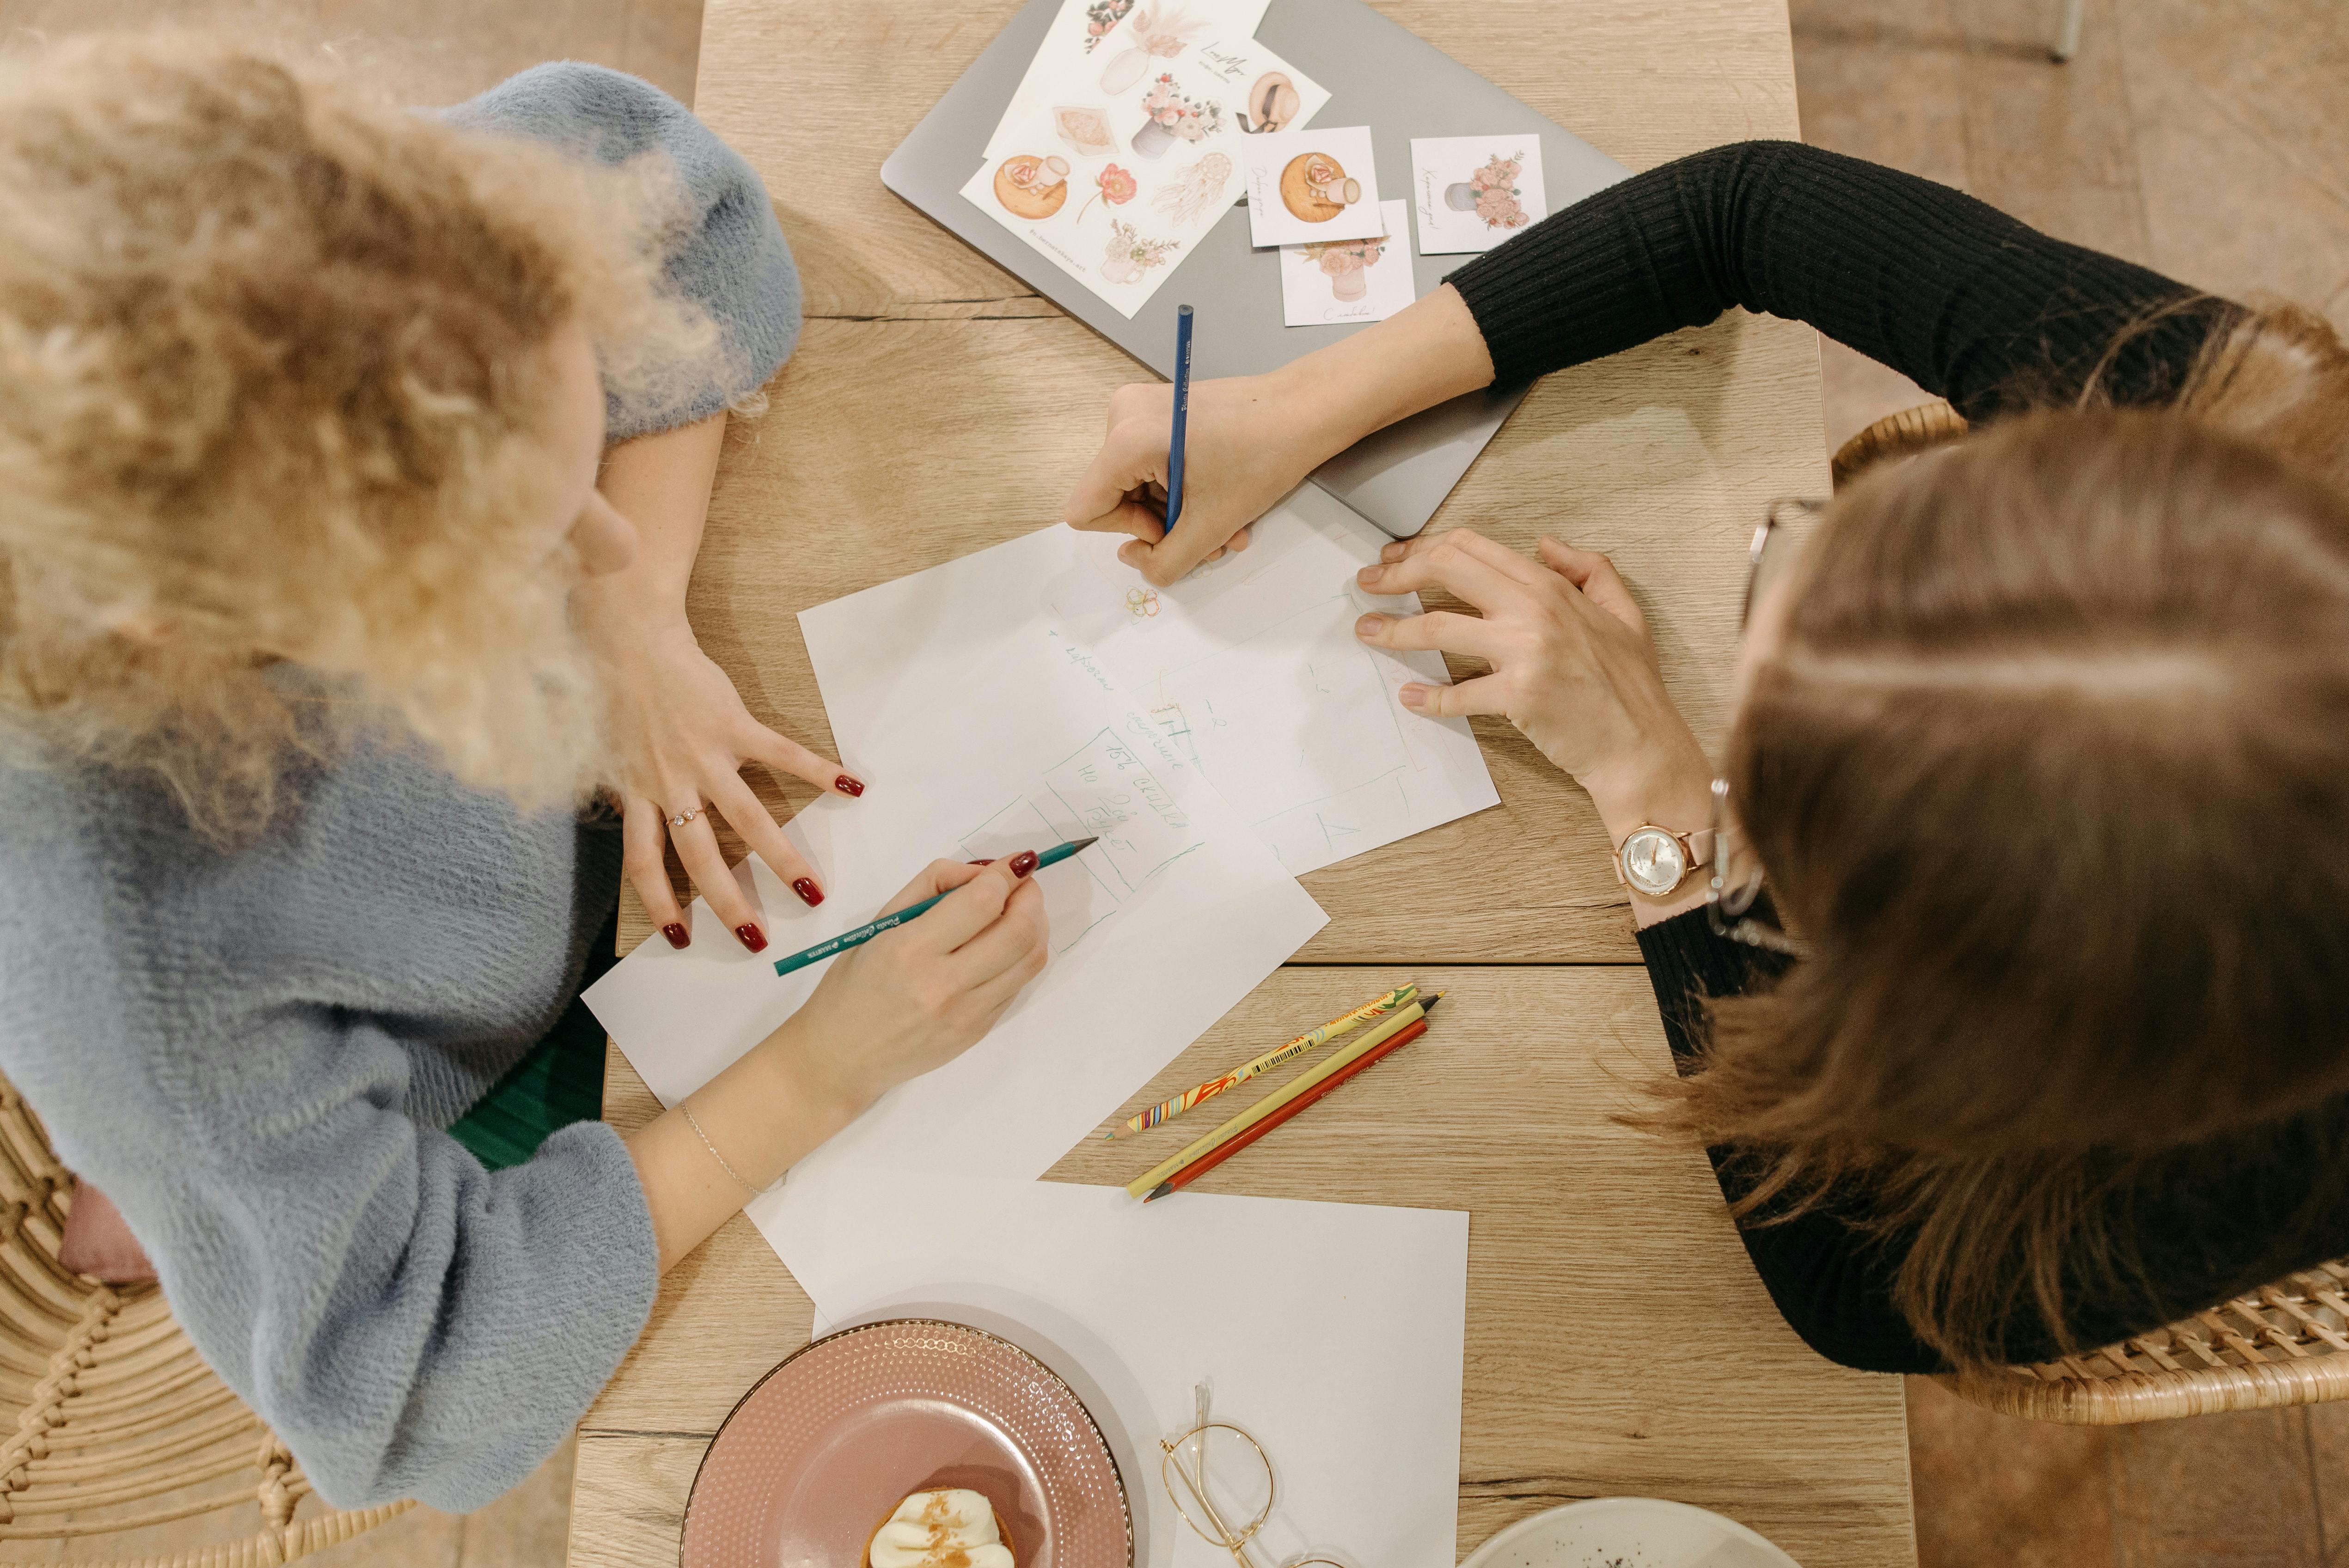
(953, 1528)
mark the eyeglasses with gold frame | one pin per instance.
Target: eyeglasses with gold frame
(1196, 1501)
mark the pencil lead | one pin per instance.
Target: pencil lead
(1076, 844)
(1427, 1004)
(1158, 1191)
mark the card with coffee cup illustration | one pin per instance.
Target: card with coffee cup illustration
(1334, 281)
(1471, 192)
(1308, 186)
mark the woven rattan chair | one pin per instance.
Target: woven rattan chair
(119, 1426)
(1896, 436)
(2287, 1345)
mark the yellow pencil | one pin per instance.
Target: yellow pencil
(1167, 1110)
(1394, 1023)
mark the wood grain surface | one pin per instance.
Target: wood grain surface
(1618, 1340)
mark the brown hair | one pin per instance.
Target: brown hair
(2052, 769)
(273, 370)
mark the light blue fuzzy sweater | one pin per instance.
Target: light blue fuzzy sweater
(254, 1055)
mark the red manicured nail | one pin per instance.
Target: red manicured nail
(679, 936)
(1023, 863)
(809, 894)
(988, 861)
(847, 785)
(752, 937)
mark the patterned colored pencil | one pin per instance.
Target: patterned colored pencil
(1167, 1110)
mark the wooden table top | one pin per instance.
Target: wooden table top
(1618, 1340)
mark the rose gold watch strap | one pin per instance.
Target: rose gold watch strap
(1697, 843)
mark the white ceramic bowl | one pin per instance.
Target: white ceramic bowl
(1628, 1533)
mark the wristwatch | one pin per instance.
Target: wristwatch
(1653, 860)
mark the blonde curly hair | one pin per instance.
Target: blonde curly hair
(274, 385)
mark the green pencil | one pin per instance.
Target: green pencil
(873, 928)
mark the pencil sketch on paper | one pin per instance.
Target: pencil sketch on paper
(1104, 789)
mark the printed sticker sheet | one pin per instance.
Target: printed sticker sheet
(1125, 143)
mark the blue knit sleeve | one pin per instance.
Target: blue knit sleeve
(731, 258)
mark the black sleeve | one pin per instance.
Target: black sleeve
(1962, 299)
(2208, 1222)
(1831, 1282)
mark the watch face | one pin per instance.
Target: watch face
(1654, 862)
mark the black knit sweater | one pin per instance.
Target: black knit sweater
(1980, 309)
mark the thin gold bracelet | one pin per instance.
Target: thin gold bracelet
(690, 1122)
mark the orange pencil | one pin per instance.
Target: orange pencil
(1226, 1150)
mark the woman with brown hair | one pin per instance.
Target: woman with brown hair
(2036, 1038)
(353, 462)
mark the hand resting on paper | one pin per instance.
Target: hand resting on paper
(904, 1003)
(1251, 440)
(1572, 667)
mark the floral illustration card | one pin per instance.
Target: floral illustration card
(1119, 167)
(1473, 191)
(1349, 280)
(1093, 42)
(1305, 186)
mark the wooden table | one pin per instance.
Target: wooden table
(1618, 1340)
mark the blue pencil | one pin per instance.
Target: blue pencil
(1181, 415)
(871, 929)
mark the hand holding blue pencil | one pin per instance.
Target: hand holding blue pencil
(873, 928)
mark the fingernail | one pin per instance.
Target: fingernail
(752, 937)
(1368, 626)
(1023, 863)
(1392, 551)
(847, 785)
(809, 894)
(988, 861)
(1370, 575)
(679, 936)
(1413, 696)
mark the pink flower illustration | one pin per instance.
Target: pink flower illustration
(1117, 188)
(1495, 185)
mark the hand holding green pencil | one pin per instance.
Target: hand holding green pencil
(914, 998)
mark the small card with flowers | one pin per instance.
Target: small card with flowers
(1333, 281)
(1470, 192)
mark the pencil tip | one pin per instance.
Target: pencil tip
(1158, 1191)
(1427, 1004)
(1076, 844)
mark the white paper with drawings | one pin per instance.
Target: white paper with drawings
(1252, 666)
(1332, 1331)
(971, 747)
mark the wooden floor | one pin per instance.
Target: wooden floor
(2207, 138)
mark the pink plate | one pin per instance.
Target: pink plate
(826, 1445)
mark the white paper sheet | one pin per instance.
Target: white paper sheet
(1251, 666)
(1116, 181)
(969, 750)
(1306, 186)
(1332, 1331)
(1349, 280)
(1471, 192)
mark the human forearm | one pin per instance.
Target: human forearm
(759, 1117)
(1423, 355)
(661, 483)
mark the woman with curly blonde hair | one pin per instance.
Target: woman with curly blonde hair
(352, 465)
